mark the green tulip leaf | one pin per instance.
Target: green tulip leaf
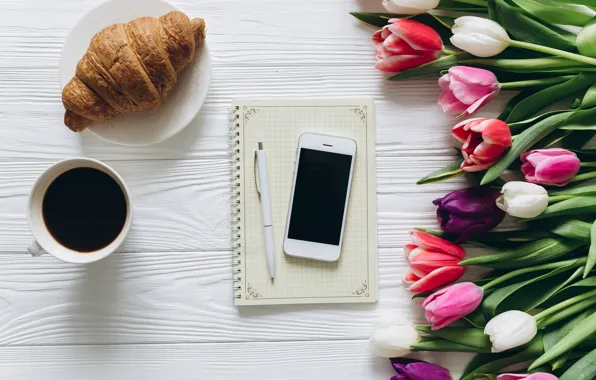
(579, 205)
(528, 28)
(554, 13)
(523, 142)
(592, 252)
(552, 139)
(583, 369)
(553, 335)
(529, 254)
(573, 229)
(548, 96)
(525, 295)
(589, 99)
(512, 103)
(570, 341)
(575, 139)
(520, 126)
(450, 171)
(433, 67)
(581, 120)
(455, 6)
(496, 362)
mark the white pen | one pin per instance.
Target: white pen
(266, 210)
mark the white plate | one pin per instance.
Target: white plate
(184, 100)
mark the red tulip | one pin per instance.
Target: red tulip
(484, 140)
(551, 167)
(434, 262)
(405, 43)
(452, 303)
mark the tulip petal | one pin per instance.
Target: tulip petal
(495, 131)
(444, 82)
(437, 278)
(460, 130)
(478, 44)
(475, 76)
(468, 93)
(419, 36)
(396, 45)
(434, 243)
(557, 171)
(529, 376)
(480, 102)
(398, 63)
(450, 104)
(411, 278)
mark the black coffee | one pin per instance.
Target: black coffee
(84, 209)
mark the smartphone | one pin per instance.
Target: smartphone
(320, 194)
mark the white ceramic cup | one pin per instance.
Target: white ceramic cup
(44, 241)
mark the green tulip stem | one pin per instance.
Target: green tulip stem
(563, 305)
(557, 52)
(583, 177)
(499, 280)
(535, 82)
(588, 165)
(568, 312)
(557, 198)
(449, 52)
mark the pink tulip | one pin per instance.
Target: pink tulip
(434, 262)
(529, 376)
(405, 43)
(553, 167)
(466, 89)
(452, 303)
(484, 140)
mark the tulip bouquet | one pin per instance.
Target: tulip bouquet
(532, 315)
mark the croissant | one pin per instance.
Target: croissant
(130, 67)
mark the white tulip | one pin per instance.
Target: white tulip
(479, 36)
(523, 199)
(392, 336)
(511, 329)
(410, 7)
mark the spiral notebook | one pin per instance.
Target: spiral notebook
(278, 124)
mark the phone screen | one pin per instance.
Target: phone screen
(319, 196)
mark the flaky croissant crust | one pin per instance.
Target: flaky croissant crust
(130, 67)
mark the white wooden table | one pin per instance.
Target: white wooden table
(162, 307)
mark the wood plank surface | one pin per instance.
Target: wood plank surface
(162, 307)
(223, 361)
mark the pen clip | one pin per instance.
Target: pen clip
(256, 174)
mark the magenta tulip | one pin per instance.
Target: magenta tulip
(552, 167)
(452, 303)
(529, 376)
(404, 44)
(466, 89)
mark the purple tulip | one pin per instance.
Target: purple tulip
(469, 212)
(411, 369)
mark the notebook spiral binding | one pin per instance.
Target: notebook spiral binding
(236, 219)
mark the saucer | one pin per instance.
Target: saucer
(184, 100)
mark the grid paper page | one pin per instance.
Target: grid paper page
(278, 124)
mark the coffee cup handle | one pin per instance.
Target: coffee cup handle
(35, 249)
